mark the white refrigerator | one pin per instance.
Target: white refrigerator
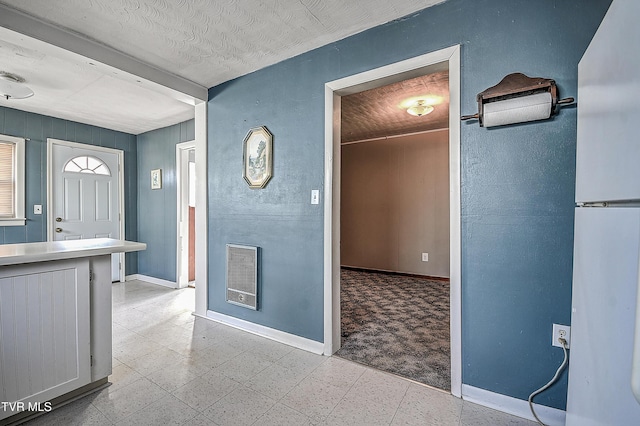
(607, 227)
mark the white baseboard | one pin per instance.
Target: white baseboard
(270, 333)
(152, 280)
(515, 406)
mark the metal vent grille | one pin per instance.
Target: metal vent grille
(242, 275)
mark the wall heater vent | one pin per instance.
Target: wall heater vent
(242, 276)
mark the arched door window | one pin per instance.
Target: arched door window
(87, 164)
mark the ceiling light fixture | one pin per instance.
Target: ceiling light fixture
(12, 86)
(420, 108)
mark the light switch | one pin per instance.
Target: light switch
(37, 209)
(315, 196)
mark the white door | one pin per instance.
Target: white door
(85, 195)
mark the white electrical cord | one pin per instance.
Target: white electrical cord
(552, 381)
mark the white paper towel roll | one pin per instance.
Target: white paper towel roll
(517, 110)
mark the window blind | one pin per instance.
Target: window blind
(7, 180)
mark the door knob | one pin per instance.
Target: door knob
(58, 219)
(58, 229)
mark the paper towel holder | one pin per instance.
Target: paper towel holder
(517, 99)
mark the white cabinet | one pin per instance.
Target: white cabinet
(44, 331)
(55, 320)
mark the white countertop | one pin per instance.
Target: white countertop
(15, 254)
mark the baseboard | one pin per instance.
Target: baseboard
(152, 280)
(385, 271)
(270, 333)
(517, 407)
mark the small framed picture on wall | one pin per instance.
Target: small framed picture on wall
(156, 179)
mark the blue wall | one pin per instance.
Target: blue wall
(38, 128)
(517, 182)
(157, 208)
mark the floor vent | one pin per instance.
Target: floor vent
(242, 276)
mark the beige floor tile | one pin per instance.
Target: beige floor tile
(243, 406)
(477, 415)
(361, 410)
(203, 392)
(200, 420)
(215, 355)
(428, 407)
(123, 402)
(274, 381)
(166, 411)
(121, 376)
(174, 376)
(161, 358)
(134, 347)
(198, 360)
(243, 367)
(77, 413)
(301, 361)
(380, 387)
(313, 398)
(281, 415)
(338, 372)
(269, 349)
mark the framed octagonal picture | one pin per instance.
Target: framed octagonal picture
(257, 157)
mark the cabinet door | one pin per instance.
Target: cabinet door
(44, 324)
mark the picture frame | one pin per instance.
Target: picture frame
(257, 158)
(156, 179)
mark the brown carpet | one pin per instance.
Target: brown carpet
(397, 324)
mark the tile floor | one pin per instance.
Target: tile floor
(171, 368)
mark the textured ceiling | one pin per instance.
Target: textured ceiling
(209, 41)
(378, 113)
(72, 87)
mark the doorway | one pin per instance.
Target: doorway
(445, 59)
(85, 195)
(186, 213)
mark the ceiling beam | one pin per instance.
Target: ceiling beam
(30, 26)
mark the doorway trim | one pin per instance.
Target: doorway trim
(377, 77)
(121, 216)
(182, 194)
(202, 208)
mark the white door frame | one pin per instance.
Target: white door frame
(428, 63)
(182, 197)
(202, 208)
(50, 213)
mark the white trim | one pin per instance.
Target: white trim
(270, 333)
(202, 210)
(50, 216)
(455, 226)
(151, 280)
(20, 166)
(401, 135)
(448, 58)
(182, 252)
(517, 407)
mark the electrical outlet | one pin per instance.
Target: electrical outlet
(425, 257)
(561, 331)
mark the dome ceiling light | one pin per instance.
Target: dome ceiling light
(420, 105)
(12, 86)
(420, 108)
